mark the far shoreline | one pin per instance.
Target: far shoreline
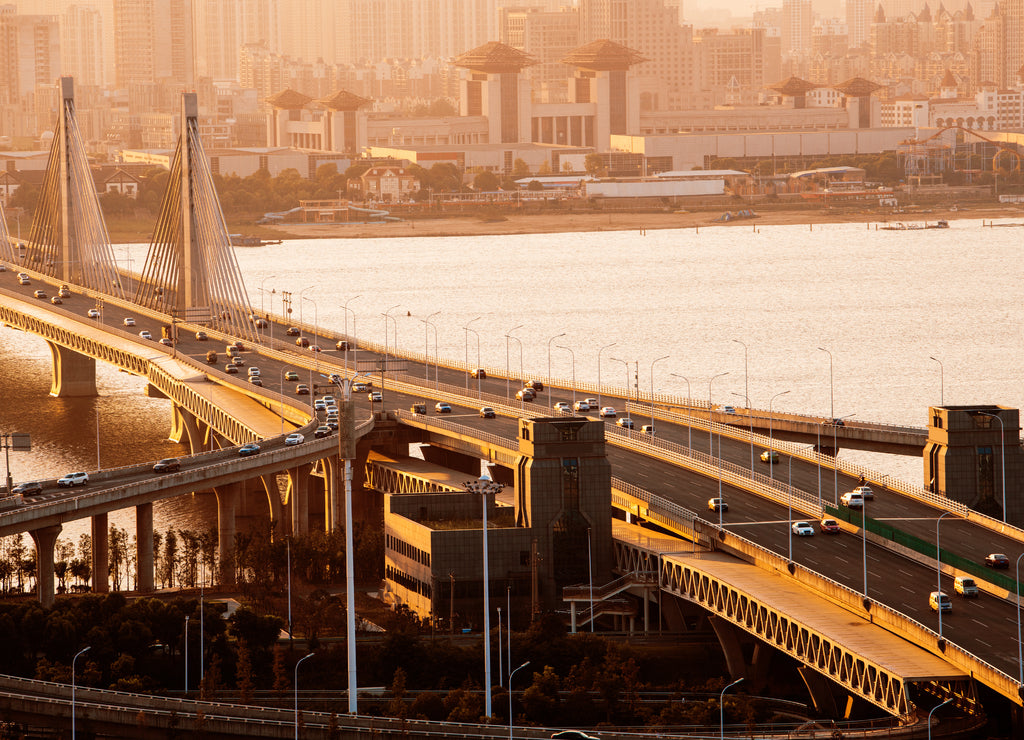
(565, 222)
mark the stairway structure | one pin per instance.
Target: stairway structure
(191, 272)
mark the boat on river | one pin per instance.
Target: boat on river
(940, 224)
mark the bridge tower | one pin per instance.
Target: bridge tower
(68, 240)
(191, 272)
(964, 458)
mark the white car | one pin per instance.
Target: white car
(581, 406)
(592, 402)
(93, 313)
(128, 321)
(73, 479)
(563, 406)
(359, 387)
(803, 529)
(145, 334)
(625, 422)
(608, 411)
(865, 492)
(374, 397)
(852, 500)
(294, 439)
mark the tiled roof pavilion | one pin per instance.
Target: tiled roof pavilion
(603, 55)
(794, 87)
(289, 99)
(857, 87)
(343, 100)
(494, 57)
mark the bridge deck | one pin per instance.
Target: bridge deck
(876, 645)
(431, 473)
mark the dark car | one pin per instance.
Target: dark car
(526, 394)
(479, 373)
(442, 407)
(322, 431)
(167, 465)
(341, 345)
(201, 336)
(293, 331)
(486, 412)
(250, 449)
(418, 408)
(534, 385)
(997, 560)
(302, 342)
(28, 489)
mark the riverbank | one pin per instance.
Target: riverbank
(561, 221)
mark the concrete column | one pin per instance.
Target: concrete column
(74, 374)
(185, 428)
(298, 498)
(729, 639)
(100, 555)
(144, 568)
(820, 689)
(227, 498)
(44, 540)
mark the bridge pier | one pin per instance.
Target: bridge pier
(733, 642)
(100, 555)
(298, 498)
(227, 501)
(45, 538)
(820, 690)
(144, 563)
(185, 427)
(74, 374)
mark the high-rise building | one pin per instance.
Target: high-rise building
(733, 62)
(652, 28)
(153, 43)
(547, 36)
(1013, 33)
(29, 53)
(83, 53)
(797, 23)
(858, 21)
(218, 28)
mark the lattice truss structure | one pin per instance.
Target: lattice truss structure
(860, 677)
(384, 479)
(190, 271)
(69, 239)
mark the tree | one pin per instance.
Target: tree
(485, 181)
(534, 186)
(520, 169)
(545, 168)
(594, 164)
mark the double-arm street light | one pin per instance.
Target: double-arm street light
(659, 359)
(348, 339)
(711, 443)
(569, 350)
(750, 420)
(689, 426)
(302, 326)
(625, 365)
(427, 325)
(508, 373)
(831, 386)
(599, 401)
(557, 336)
(771, 447)
(1002, 453)
(466, 331)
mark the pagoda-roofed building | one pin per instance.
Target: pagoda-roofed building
(794, 88)
(857, 91)
(495, 89)
(344, 124)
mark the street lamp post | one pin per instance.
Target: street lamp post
(711, 444)
(296, 688)
(384, 367)
(1020, 651)
(790, 496)
(599, 401)
(485, 487)
(721, 708)
(426, 346)
(831, 386)
(186, 654)
(835, 455)
(302, 326)
(689, 426)
(479, 393)
(557, 336)
(942, 386)
(316, 332)
(771, 447)
(659, 359)
(508, 372)
(625, 365)
(510, 693)
(521, 375)
(573, 354)
(466, 330)
(86, 648)
(348, 340)
(938, 565)
(1002, 453)
(746, 373)
(932, 711)
(262, 283)
(750, 421)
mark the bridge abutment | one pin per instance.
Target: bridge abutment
(45, 538)
(100, 555)
(74, 374)
(144, 563)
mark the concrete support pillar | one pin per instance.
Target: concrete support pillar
(227, 498)
(298, 498)
(74, 374)
(729, 638)
(44, 540)
(100, 555)
(820, 689)
(144, 568)
(185, 429)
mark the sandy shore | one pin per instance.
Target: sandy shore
(576, 222)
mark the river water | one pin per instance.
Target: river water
(882, 302)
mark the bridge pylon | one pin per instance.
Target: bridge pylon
(69, 240)
(191, 272)
(6, 245)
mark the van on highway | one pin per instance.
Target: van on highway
(965, 586)
(232, 350)
(939, 601)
